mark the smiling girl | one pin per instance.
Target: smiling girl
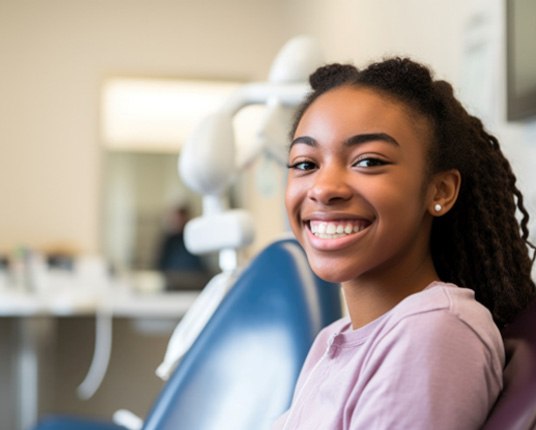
(400, 195)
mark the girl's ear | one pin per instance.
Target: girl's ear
(445, 187)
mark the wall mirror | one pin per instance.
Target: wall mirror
(143, 124)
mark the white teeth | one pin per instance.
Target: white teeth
(333, 230)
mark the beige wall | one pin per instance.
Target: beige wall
(55, 55)
(360, 31)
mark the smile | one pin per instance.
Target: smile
(336, 229)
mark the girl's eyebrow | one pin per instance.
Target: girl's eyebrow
(305, 140)
(370, 137)
(354, 140)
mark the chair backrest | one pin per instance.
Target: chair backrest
(516, 407)
(241, 371)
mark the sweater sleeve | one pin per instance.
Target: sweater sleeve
(429, 371)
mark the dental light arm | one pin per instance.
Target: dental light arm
(210, 160)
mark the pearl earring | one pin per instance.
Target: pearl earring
(438, 207)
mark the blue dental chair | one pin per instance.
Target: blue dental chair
(240, 372)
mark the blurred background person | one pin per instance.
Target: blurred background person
(181, 268)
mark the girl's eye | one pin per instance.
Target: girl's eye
(302, 165)
(370, 162)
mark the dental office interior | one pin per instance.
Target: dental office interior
(89, 172)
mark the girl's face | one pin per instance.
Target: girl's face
(356, 195)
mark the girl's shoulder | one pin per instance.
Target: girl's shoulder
(445, 308)
(441, 309)
(446, 297)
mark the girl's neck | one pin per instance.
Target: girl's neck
(369, 297)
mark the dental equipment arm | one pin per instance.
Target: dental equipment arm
(210, 162)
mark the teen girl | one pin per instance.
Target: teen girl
(396, 192)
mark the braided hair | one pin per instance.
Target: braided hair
(479, 243)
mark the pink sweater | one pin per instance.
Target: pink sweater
(433, 362)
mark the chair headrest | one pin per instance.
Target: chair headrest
(231, 229)
(516, 407)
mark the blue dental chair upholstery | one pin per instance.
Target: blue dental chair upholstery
(241, 371)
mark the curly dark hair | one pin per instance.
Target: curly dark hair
(479, 243)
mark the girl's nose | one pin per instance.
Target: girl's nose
(330, 186)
